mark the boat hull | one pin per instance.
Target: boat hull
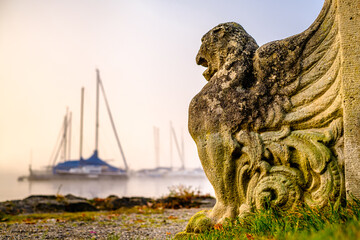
(76, 176)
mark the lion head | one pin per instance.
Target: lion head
(222, 46)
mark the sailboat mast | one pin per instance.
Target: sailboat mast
(69, 136)
(179, 150)
(171, 146)
(97, 112)
(81, 121)
(65, 135)
(157, 146)
(182, 149)
(112, 120)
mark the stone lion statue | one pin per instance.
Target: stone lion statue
(268, 124)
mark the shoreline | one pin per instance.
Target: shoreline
(71, 217)
(71, 203)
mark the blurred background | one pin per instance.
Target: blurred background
(145, 51)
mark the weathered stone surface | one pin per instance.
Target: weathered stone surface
(269, 124)
(349, 18)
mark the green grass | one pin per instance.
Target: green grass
(303, 223)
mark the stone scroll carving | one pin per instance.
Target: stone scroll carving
(269, 123)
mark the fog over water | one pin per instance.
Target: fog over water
(11, 189)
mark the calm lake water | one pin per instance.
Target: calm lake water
(12, 189)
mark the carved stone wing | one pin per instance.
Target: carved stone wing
(303, 71)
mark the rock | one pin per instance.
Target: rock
(47, 206)
(71, 203)
(113, 202)
(79, 206)
(47, 203)
(72, 197)
(34, 198)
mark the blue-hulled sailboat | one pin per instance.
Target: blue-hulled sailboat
(90, 168)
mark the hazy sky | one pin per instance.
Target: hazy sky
(145, 50)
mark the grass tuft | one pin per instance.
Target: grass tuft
(302, 223)
(180, 196)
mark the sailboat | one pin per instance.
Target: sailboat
(182, 171)
(93, 167)
(170, 171)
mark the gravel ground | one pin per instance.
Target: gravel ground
(116, 226)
